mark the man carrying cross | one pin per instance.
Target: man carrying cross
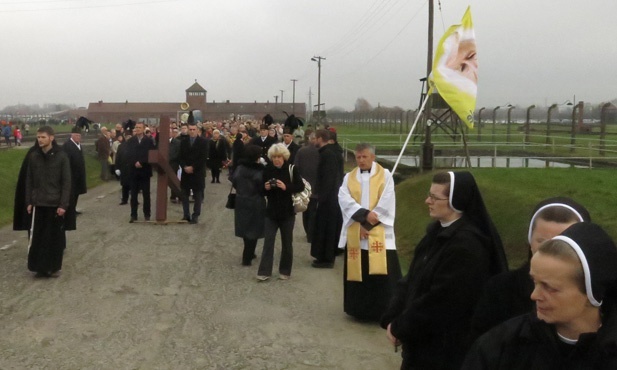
(372, 269)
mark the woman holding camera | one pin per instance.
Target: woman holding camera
(279, 211)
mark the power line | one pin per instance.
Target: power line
(364, 26)
(80, 7)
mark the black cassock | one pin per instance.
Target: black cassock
(78, 182)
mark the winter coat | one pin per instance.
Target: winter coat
(505, 296)
(78, 166)
(138, 152)
(21, 219)
(48, 180)
(195, 156)
(218, 152)
(250, 211)
(431, 310)
(280, 205)
(527, 343)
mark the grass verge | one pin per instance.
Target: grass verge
(9, 170)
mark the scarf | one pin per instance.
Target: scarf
(377, 236)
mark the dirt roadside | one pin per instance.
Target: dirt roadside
(142, 296)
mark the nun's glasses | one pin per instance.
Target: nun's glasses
(434, 198)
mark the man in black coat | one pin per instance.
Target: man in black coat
(48, 193)
(328, 219)
(72, 147)
(264, 141)
(192, 160)
(288, 140)
(140, 170)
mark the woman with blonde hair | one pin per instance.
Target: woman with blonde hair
(281, 181)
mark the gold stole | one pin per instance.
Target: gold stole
(377, 236)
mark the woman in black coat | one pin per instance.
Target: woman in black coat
(250, 210)
(218, 154)
(280, 211)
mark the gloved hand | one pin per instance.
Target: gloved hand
(117, 172)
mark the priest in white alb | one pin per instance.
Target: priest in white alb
(368, 205)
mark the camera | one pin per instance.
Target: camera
(272, 182)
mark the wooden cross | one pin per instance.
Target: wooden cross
(159, 159)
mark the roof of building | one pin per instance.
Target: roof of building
(196, 88)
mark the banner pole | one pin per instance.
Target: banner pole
(413, 127)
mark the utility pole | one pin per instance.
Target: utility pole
(281, 96)
(427, 149)
(293, 99)
(310, 97)
(318, 60)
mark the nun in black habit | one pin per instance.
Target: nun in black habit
(574, 325)
(507, 295)
(430, 313)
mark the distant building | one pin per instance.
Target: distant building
(196, 97)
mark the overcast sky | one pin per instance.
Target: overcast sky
(81, 51)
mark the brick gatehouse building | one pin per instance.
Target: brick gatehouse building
(196, 97)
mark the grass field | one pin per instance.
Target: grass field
(510, 195)
(9, 170)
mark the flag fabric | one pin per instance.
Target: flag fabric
(455, 69)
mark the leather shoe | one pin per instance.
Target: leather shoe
(322, 265)
(147, 218)
(194, 220)
(186, 218)
(133, 219)
(123, 203)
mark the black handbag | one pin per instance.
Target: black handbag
(231, 200)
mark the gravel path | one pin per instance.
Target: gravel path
(145, 296)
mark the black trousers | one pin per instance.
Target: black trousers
(216, 173)
(249, 250)
(143, 184)
(286, 226)
(199, 198)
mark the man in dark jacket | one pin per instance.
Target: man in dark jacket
(48, 192)
(290, 144)
(264, 141)
(328, 219)
(174, 153)
(123, 166)
(72, 147)
(192, 160)
(103, 151)
(140, 170)
(307, 161)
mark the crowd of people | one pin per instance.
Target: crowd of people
(457, 307)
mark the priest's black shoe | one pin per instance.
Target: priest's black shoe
(322, 264)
